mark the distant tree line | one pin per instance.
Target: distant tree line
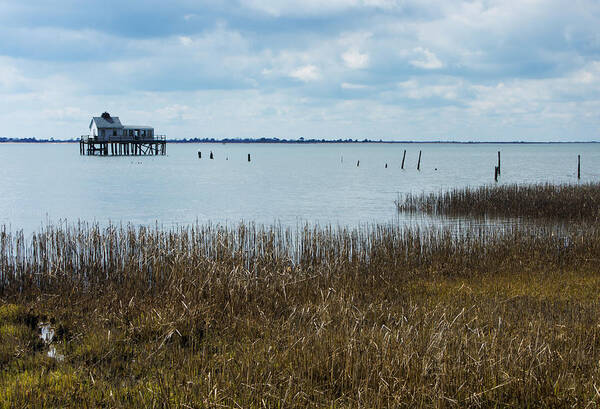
(283, 140)
(36, 140)
(209, 140)
(270, 140)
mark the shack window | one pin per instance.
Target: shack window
(114, 132)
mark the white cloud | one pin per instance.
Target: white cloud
(425, 59)
(306, 73)
(415, 89)
(185, 41)
(10, 77)
(348, 85)
(355, 60)
(316, 7)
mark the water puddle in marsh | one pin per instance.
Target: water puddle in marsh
(47, 333)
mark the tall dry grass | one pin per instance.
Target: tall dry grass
(251, 316)
(566, 201)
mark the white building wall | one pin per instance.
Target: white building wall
(106, 134)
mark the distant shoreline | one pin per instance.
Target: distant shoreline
(309, 141)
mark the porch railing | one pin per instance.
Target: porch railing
(88, 138)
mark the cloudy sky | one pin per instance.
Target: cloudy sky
(392, 69)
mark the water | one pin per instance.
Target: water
(47, 335)
(287, 184)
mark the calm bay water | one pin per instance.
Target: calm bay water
(287, 184)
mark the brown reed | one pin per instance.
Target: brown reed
(566, 201)
(263, 316)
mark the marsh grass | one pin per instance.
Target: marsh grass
(564, 202)
(251, 316)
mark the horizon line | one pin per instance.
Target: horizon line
(301, 141)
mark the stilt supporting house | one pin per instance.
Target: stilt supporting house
(154, 147)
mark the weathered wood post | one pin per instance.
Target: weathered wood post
(386, 165)
(358, 163)
(211, 155)
(199, 155)
(498, 162)
(578, 166)
(403, 157)
(248, 157)
(419, 162)
(496, 172)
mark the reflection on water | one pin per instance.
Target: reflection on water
(461, 225)
(47, 333)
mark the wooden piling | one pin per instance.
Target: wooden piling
(248, 157)
(578, 166)
(199, 155)
(419, 162)
(92, 146)
(386, 165)
(498, 163)
(358, 163)
(211, 155)
(403, 157)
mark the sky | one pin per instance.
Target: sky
(481, 70)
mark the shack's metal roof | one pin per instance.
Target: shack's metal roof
(137, 127)
(112, 122)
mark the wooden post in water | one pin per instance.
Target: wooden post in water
(248, 157)
(199, 155)
(211, 155)
(419, 162)
(498, 163)
(578, 166)
(496, 172)
(386, 165)
(358, 163)
(403, 157)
